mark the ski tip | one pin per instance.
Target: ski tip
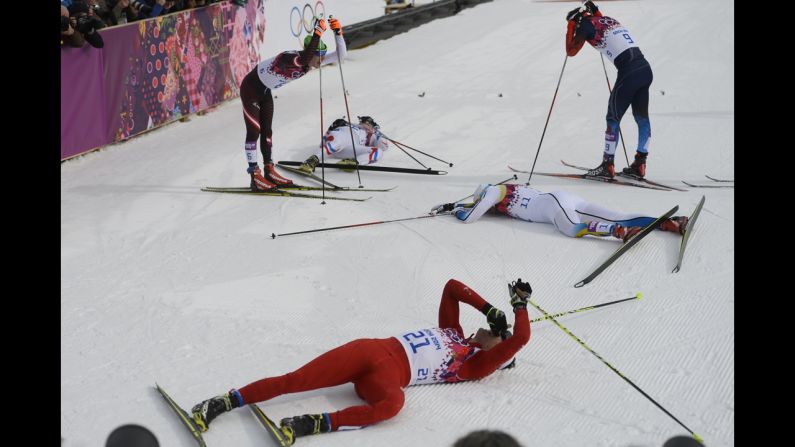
(675, 270)
(579, 284)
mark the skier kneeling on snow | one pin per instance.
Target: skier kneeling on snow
(370, 144)
(571, 214)
(380, 368)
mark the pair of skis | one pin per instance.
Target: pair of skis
(645, 232)
(719, 183)
(188, 422)
(639, 182)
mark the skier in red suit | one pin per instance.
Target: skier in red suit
(380, 368)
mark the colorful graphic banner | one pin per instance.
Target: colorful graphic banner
(152, 72)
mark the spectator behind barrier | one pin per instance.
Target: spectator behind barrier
(68, 34)
(487, 438)
(84, 24)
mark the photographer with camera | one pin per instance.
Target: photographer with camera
(85, 25)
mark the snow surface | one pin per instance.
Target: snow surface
(164, 283)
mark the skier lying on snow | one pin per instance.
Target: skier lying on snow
(370, 144)
(380, 368)
(571, 214)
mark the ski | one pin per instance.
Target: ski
(243, 189)
(312, 176)
(596, 179)
(280, 192)
(626, 246)
(718, 180)
(183, 415)
(270, 427)
(693, 185)
(690, 222)
(369, 168)
(629, 176)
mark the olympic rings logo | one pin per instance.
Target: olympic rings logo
(304, 19)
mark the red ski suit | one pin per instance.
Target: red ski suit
(379, 368)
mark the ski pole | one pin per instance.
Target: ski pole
(545, 124)
(347, 109)
(610, 89)
(273, 235)
(560, 314)
(611, 367)
(322, 142)
(398, 143)
(378, 222)
(412, 157)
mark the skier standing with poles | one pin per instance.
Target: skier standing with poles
(587, 24)
(255, 93)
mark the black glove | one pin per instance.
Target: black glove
(591, 7)
(496, 318)
(575, 14)
(65, 24)
(519, 292)
(442, 208)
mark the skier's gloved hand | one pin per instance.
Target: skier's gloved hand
(591, 7)
(496, 319)
(320, 26)
(442, 208)
(519, 292)
(335, 25)
(575, 14)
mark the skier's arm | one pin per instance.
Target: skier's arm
(491, 196)
(341, 52)
(455, 292)
(310, 51)
(484, 363)
(574, 40)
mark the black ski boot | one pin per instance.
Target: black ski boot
(638, 167)
(204, 412)
(308, 424)
(604, 170)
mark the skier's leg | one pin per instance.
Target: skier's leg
(340, 365)
(384, 400)
(251, 95)
(557, 208)
(266, 121)
(591, 212)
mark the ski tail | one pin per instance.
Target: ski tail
(183, 416)
(685, 237)
(273, 430)
(627, 245)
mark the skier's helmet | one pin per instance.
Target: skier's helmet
(479, 191)
(368, 120)
(321, 46)
(339, 122)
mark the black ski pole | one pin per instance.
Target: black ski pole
(610, 89)
(347, 110)
(399, 144)
(545, 124)
(273, 235)
(412, 157)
